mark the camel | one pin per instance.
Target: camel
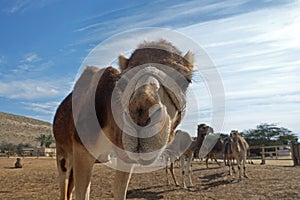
(174, 150)
(187, 157)
(132, 113)
(218, 148)
(170, 157)
(184, 147)
(228, 154)
(239, 147)
(19, 163)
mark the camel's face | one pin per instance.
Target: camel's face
(157, 79)
(204, 130)
(235, 146)
(234, 134)
(150, 114)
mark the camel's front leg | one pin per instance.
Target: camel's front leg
(168, 183)
(83, 166)
(244, 166)
(182, 166)
(230, 166)
(64, 163)
(172, 173)
(121, 182)
(189, 170)
(215, 158)
(206, 161)
(239, 168)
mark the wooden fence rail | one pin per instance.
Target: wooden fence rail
(290, 152)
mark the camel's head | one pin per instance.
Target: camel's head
(155, 99)
(204, 130)
(234, 134)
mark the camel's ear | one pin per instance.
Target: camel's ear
(189, 56)
(123, 62)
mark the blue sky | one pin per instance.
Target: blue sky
(254, 45)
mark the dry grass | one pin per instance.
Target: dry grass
(38, 180)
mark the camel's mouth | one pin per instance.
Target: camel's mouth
(157, 121)
(144, 158)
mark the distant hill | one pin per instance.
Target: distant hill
(18, 129)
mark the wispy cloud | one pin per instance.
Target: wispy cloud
(19, 6)
(156, 14)
(30, 63)
(30, 57)
(45, 108)
(34, 88)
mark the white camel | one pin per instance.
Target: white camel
(184, 147)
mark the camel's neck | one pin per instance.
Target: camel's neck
(197, 143)
(241, 143)
(199, 140)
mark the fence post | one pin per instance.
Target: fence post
(263, 160)
(295, 153)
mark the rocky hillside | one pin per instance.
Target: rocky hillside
(17, 129)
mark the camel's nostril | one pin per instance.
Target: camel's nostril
(139, 112)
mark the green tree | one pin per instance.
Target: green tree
(268, 135)
(8, 148)
(41, 139)
(223, 136)
(49, 140)
(45, 140)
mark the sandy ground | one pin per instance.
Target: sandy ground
(38, 180)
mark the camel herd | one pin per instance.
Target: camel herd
(234, 147)
(133, 113)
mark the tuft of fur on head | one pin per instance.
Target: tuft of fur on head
(160, 52)
(160, 44)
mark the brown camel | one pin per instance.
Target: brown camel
(132, 114)
(239, 147)
(217, 149)
(228, 154)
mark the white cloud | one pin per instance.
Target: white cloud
(33, 89)
(19, 6)
(31, 62)
(155, 14)
(46, 108)
(30, 57)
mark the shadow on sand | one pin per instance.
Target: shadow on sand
(11, 168)
(149, 195)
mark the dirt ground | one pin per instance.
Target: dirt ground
(38, 180)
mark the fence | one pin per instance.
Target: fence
(296, 153)
(282, 152)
